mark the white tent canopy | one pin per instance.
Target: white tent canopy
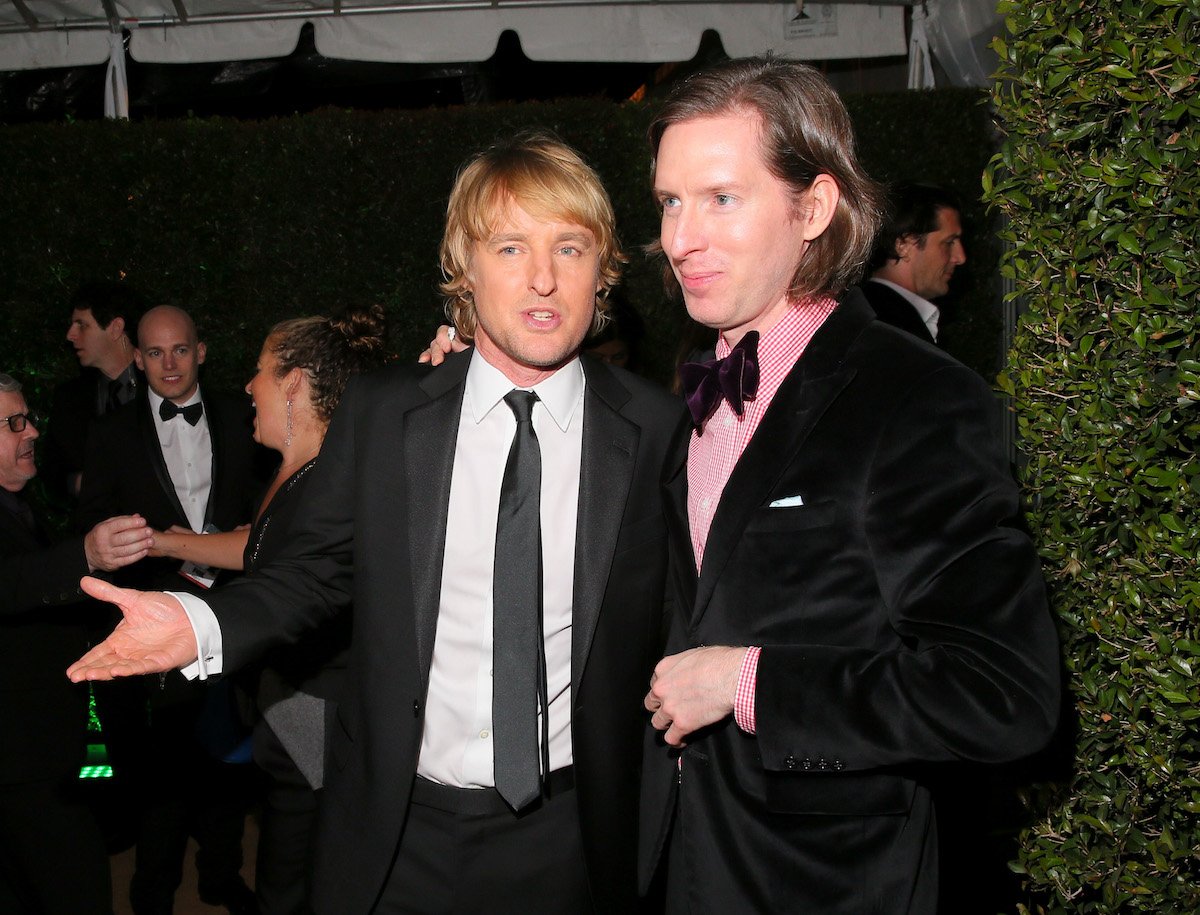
(61, 33)
(67, 33)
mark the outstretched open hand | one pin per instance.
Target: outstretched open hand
(155, 636)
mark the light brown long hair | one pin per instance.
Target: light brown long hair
(805, 132)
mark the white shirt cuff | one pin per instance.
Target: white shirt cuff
(208, 636)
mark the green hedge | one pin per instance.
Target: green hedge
(1097, 177)
(244, 223)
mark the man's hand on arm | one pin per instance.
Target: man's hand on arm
(154, 637)
(117, 542)
(443, 344)
(693, 689)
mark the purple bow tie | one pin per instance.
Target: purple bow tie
(735, 378)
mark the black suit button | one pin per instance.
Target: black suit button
(790, 762)
(821, 764)
(837, 765)
(416, 708)
(807, 764)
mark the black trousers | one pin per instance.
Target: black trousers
(52, 856)
(179, 790)
(463, 851)
(286, 832)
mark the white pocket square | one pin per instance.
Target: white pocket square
(788, 502)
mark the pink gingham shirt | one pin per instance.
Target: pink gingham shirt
(713, 453)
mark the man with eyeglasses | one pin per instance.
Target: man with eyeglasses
(52, 857)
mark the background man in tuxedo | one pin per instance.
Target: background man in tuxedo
(176, 456)
(857, 598)
(180, 456)
(103, 316)
(914, 257)
(52, 856)
(501, 790)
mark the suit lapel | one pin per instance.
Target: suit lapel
(814, 383)
(155, 456)
(430, 435)
(683, 556)
(13, 529)
(215, 440)
(606, 469)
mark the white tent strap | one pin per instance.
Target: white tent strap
(920, 64)
(116, 82)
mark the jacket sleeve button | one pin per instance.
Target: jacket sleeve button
(790, 762)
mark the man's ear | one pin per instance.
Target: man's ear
(907, 244)
(201, 351)
(820, 205)
(116, 327)
(137, 358)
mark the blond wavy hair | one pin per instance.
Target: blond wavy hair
(550, 181)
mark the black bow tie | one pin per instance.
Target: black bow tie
(735, 378)
(168, 410)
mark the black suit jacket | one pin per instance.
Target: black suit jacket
(75, 408)
(374, 532)
(124, 473)
(43, 716)
(891, 307)
(72, 413)
(902, 618)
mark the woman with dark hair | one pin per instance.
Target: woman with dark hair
(303, 369)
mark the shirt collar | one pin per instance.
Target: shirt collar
(929, 312)
(780, 346)
(127, 376)
(560, 394)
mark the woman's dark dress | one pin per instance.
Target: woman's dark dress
(295, 696)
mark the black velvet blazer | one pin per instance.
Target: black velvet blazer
(902, 618)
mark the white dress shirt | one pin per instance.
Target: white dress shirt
(187, 450)
(456, 746)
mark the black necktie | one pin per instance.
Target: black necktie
(735, 378)
(518, 655)
(112, 398)
(169, 410)
(120, 392)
